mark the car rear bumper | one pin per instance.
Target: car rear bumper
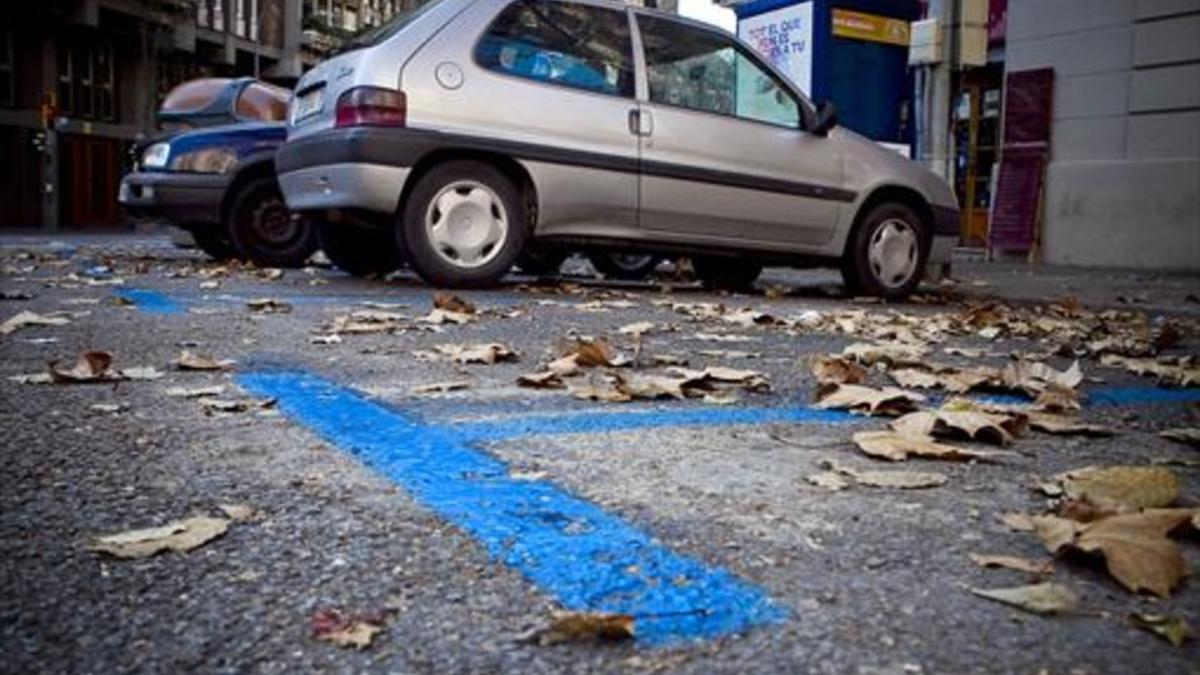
(183, 198)
(347, 185)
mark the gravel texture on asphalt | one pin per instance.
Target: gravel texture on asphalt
(876, 580)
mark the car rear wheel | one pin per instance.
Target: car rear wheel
(625, 266)
(463, 225)
(887, 253)
(359, 251)
(213, 242)
(730, 274)
(263, 230)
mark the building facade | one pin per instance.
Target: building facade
(81, 80)
(1123, 181)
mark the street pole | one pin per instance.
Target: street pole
(936, 147)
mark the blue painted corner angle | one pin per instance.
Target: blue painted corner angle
(586, 558)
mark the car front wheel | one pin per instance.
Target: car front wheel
(887, 253)
(213, 242)
(263, 230)
(463, 225)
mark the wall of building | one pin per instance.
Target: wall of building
(1123, 186)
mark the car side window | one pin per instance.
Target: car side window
(563, 43)
(700, 69)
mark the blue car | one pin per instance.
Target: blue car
(212, 173)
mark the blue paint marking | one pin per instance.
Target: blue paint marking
(570, 548)
(151, 302)
(592, 421)
(1135, 396)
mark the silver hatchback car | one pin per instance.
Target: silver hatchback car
(469, 131)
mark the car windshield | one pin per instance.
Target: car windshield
(373, 36)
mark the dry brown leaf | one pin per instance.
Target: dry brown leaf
(829, 480)
(216, 405)
(440, 387)
(635, 329)
(543, 380)
(897, 447)
(357, 631)
(453, 303)
(1123, 488)
(1027, 565)
(90, 366)
(891, 354)
(486, 354)
(703, 380)
(837, 370)
(189, 360)
(901, 480)
(594, 354)
(1063, 425)
(583, 627)
(1057, 400)
(1018, 522)
(269, 306)
(1033, 378)
(954, 380)
(1182, 376)
(1186, 436)
(198, 392)
(1135, 546)
(994, 428)
(1173, 629)
(440, 317)
(1045, 598)
(27, 319)
(602, 394)
(181, 536)
(651, 387)
(858, 398)
(239, 513)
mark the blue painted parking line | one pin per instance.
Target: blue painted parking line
(586, 558)
(151, 302)
(593, 421)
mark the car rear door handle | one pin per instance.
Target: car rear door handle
(641, 123)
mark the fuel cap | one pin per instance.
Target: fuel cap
(449, 75)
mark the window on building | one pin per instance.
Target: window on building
(86, 81)
(578, 46)
(211, 14)
(8, 79)
(694, 68)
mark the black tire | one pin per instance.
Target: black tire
(624, 266)
(541, 263)
(863, 275)
(472, 183)
(264, 231)
(731, 274)
(359, 251)
(212, 241)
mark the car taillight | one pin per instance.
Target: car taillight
(372, 107)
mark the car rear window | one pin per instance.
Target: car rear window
(567, 44)
(263, 102)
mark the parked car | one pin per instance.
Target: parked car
(469, 130)
(213, 173)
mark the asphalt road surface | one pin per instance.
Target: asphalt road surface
(460, 520)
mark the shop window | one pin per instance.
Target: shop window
(693, 68)
(566, 44)
(8, 84)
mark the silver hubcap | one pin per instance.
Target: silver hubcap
(893, 253)
(630, 261)
(466, 224)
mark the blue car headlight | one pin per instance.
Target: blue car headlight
(156, 156)
(212, 160)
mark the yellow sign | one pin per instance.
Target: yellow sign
(870, 27)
